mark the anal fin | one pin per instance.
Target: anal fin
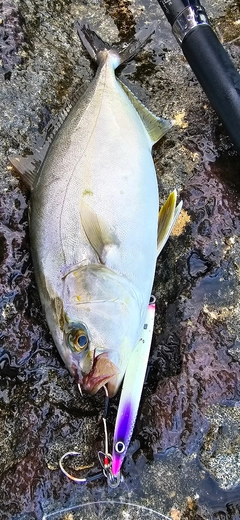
(156, 127)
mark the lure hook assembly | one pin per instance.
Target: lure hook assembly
(105, 458)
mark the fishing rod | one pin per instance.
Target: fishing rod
(208, 59)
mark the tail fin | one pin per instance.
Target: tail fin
(95, 45)
(90, 40)
(139, 41)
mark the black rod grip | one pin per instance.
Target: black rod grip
(217, 75)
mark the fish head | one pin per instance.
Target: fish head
(102, 319)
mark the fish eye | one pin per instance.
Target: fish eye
(119, 447)
(82, 340)
(78, 340)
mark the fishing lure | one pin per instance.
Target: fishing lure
(132, 391)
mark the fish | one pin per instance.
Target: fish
(94, 221)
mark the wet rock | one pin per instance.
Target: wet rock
(197, 265)
(188, 425)
(11, 37)
(220, 451)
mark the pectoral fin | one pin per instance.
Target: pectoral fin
(101, 238)
(167, 217)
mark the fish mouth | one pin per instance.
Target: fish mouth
(103, 371)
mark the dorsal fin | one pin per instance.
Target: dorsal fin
(29, 166)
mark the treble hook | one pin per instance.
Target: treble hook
(105, 458)
(83, 480)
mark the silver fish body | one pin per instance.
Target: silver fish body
(94, 227)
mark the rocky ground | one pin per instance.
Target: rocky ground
(184, 461)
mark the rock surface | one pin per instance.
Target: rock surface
(184, 461)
